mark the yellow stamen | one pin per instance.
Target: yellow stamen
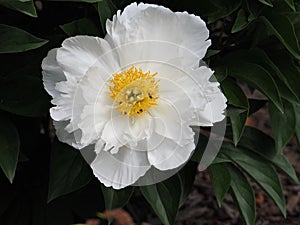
(134, 92)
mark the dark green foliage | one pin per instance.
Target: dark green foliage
(25, 6)
(243, 195)
(239, 114)
(16, 40)
(166, 197)
(68, 171)
(254, 43)
(82, 26)
(116, 198)
(9, 147)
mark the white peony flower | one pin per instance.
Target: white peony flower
(128, 101)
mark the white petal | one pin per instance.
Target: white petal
(79, 101)
(52, 73)
(170, 119)
(186, 83)
(66, 137)
(166, 154)
(65, 101)
(63, 91)
(121, 130)
(88, 153)
(93, 119)
(98, 107)
(157, 23)
(59, 87)
(78, 53)
(152, 55)
(214, 111)
(179, 83)
(216, 101)
(114, 132)
(94, 86)
(138, 129)
(184, 86)
(121, 169)
(99, 146)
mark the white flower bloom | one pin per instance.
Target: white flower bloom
(130, 98)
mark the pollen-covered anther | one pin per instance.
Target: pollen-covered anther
(134, 92)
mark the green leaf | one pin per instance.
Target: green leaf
(221, 159)
(253, 10)
(259, 78)
(243, 195)
(116, 198)
(282, 163)
(106, 10)
(290, 3)
(9, 147)
(237, 98)
(284, 30)
(234, 94)
(283, 124)
(238, 121)
(262, 144)
(297, 129)
(167, 196)
(82, 26)
(230, 110)
(260, 57)
(186, 177)
(277, 68)
(289, 73)
(23, 94)
(220, 74)
(295, 19)
(258, 141)
(25, 6)
(240, 22)
(164, 198)
(266, 2)
(16, 40)
(68, 171)
(223, 9)
(221, 180)
(211, 52)
(260, 171)
(200, 148)
(286, 91)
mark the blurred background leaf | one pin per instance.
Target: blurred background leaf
(22, 93)
(68, 171)
(116, 198)
(82, 26)
(23, 6)
(9, 147)
(16, 40)
(106, 9)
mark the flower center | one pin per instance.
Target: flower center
(134, 92)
